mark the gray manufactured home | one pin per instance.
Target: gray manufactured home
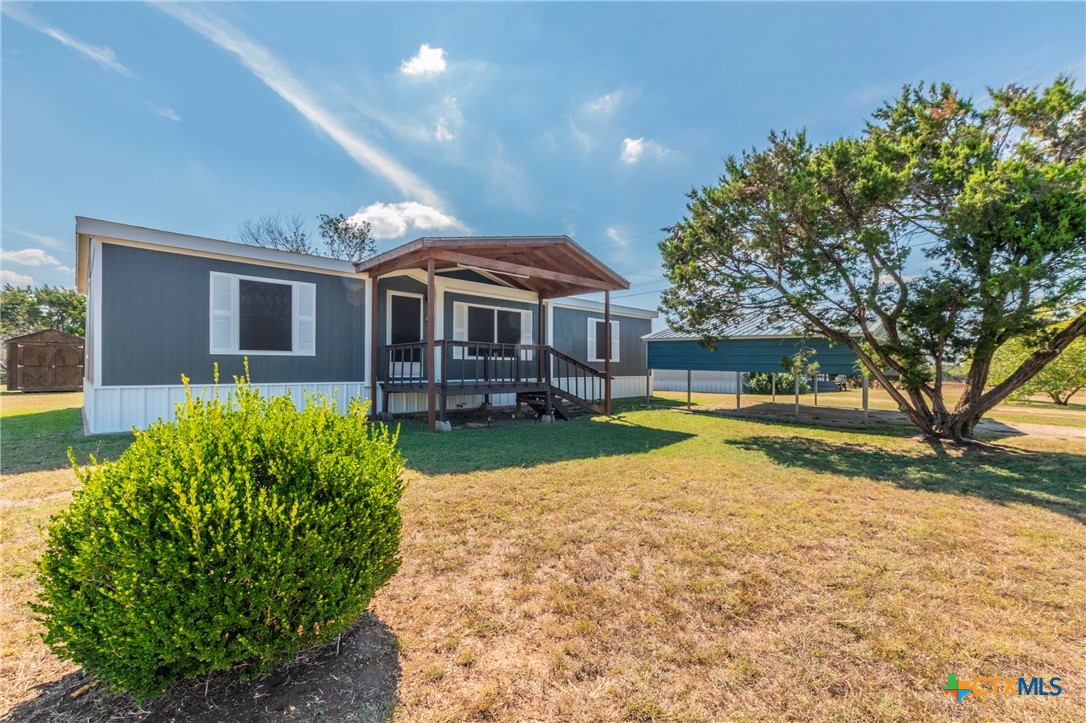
(433, 325)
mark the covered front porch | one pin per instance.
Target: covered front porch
(481, 356)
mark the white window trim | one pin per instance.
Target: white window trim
(616, 337)
(388, 313)
(525, 318)
(235, 320)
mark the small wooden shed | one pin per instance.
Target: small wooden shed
(45, 361)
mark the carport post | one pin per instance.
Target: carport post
(814, 382)
(648, 386)
(865, 399)
(773, 381)
(688, 374)
(796, 377)
(738, 390)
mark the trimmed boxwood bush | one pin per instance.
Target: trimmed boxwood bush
(234, 537)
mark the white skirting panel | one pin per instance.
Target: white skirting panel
(118, 409)
(621, 387)
(674, 380)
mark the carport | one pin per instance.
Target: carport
(751, 346)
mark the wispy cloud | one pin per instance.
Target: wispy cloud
(393, 220)
(15, 279)
(606, 104)
(277, 76)
(636, 149)
(617, 238)
(429, 61)
(450, 121)
(39, 238)
(164, 111)
(101, 54)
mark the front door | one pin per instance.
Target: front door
(405, 327)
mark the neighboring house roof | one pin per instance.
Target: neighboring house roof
(552, 266)
(590, 305)
(751, 327)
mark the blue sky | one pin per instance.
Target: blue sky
(432, 119)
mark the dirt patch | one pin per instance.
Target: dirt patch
(357, 684)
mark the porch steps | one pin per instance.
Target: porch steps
(537, 401)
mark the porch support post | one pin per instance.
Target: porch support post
(431, 392)
(541, 339)
(607, 352)
(373, 347)
(648, 386)
(865, 399)
(773, 381)
(796, 377)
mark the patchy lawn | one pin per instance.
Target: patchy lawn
(655, 566)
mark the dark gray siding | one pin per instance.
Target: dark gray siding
(393, 283)
(570, 336)
(749, 355)
(155, 322)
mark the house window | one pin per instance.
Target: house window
(490, 325)
(597, 341)
(251, 315)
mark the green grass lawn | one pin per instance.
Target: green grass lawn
(669, 566)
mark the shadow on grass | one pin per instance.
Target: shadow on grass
(40, 440)
(1053, 480)
(358, 684)
(527, 444)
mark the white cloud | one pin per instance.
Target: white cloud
(101, 54)
(392, 220)
(580, 136)
(634, 149)
(617, 237)
(429, 61)
(279, 78)
(28, 257)
(443, 134)
(164, 111)
(605, 104)
(10, 277)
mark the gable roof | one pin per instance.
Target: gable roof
(46, 336)
(552, 266)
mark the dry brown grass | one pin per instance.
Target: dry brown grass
(665, 566)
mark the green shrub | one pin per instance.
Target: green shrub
(760, 383)
(236, 536)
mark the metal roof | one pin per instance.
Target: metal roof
(751, 327)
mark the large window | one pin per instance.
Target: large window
(597, 341)
(251, 315)
(490, 325)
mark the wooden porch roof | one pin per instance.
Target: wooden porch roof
(552, 266)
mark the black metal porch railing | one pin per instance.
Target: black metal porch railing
(480, 367)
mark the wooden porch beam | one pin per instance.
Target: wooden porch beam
(530, 271)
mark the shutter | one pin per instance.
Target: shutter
(526, 334)
(223, 321)
(615, 338)
(592, 340)
(307, 319)
(460, 328)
